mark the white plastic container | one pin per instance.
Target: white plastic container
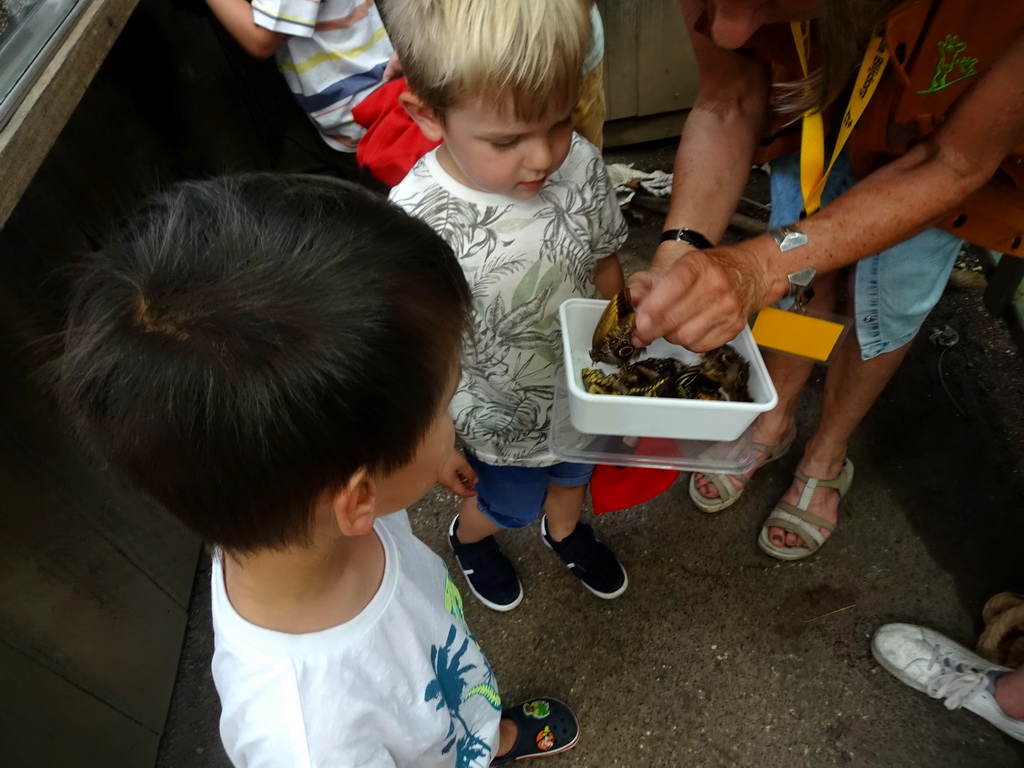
(681, 419)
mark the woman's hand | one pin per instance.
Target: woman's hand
(457, 476)
(701, 300)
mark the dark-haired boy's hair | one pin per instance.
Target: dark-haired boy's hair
(249, 342)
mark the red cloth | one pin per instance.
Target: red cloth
(393, 142)
(613, 488)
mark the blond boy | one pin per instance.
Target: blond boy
(526, 205)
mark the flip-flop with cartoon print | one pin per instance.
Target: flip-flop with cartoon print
(546, 727)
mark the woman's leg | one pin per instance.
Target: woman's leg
(852, 386)
(789, 374)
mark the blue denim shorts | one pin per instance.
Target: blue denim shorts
(893, 290)
(512, 497)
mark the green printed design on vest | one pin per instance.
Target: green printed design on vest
(950, 58)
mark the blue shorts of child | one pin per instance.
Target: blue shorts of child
(512, 497)
(895, 289)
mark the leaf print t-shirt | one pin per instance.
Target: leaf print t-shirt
(401, 684)
(522, 259)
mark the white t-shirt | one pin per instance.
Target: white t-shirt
(401, 684)
(522, 259)
(334, 57)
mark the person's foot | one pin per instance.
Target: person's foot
(769, 442)
(488, 572)
(932, 663)
(824, 502)
(590, 560)
(535, 728)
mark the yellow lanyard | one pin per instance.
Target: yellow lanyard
(813, 173)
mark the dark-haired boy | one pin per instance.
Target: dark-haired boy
(271, 358)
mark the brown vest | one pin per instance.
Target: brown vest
(938, 49)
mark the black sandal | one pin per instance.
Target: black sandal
(545, 727)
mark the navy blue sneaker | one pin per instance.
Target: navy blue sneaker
(589, 559)
(488, 572)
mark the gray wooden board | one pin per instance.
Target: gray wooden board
(146, 535)
(48, 721)
(72, 601)
(636, 130)
(649, 67)
(620, 51)
(666, 72)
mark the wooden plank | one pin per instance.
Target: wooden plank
(36, 123)
(72, 602)
(150, 538)
(636, 130)
(666, 71)
(620, 57)
(87, 733)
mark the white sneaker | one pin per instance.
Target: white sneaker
(932, 663)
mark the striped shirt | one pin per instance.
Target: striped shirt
(333, 58)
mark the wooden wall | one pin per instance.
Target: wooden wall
(649, 72)
(94, 578)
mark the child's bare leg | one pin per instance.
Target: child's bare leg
(589, 559)
(507, 732)
(488, 572)
(563, 507)
(536, 728)
(474, 525)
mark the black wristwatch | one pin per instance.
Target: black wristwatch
(684, 235)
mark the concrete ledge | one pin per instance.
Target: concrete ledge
(39, 119)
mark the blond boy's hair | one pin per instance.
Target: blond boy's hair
(528, 53)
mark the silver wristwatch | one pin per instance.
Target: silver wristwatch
(788, 238)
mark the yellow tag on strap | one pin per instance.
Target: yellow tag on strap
(796, 333)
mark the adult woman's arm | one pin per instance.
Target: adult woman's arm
(704, 299)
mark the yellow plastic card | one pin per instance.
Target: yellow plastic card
(796, 333)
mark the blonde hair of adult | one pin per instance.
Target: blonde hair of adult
(845, 27)
(526, 52)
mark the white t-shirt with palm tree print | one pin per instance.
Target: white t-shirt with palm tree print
(402, 684)
(522, 259)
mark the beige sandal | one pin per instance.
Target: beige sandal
(728, 493)
(796, 519)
